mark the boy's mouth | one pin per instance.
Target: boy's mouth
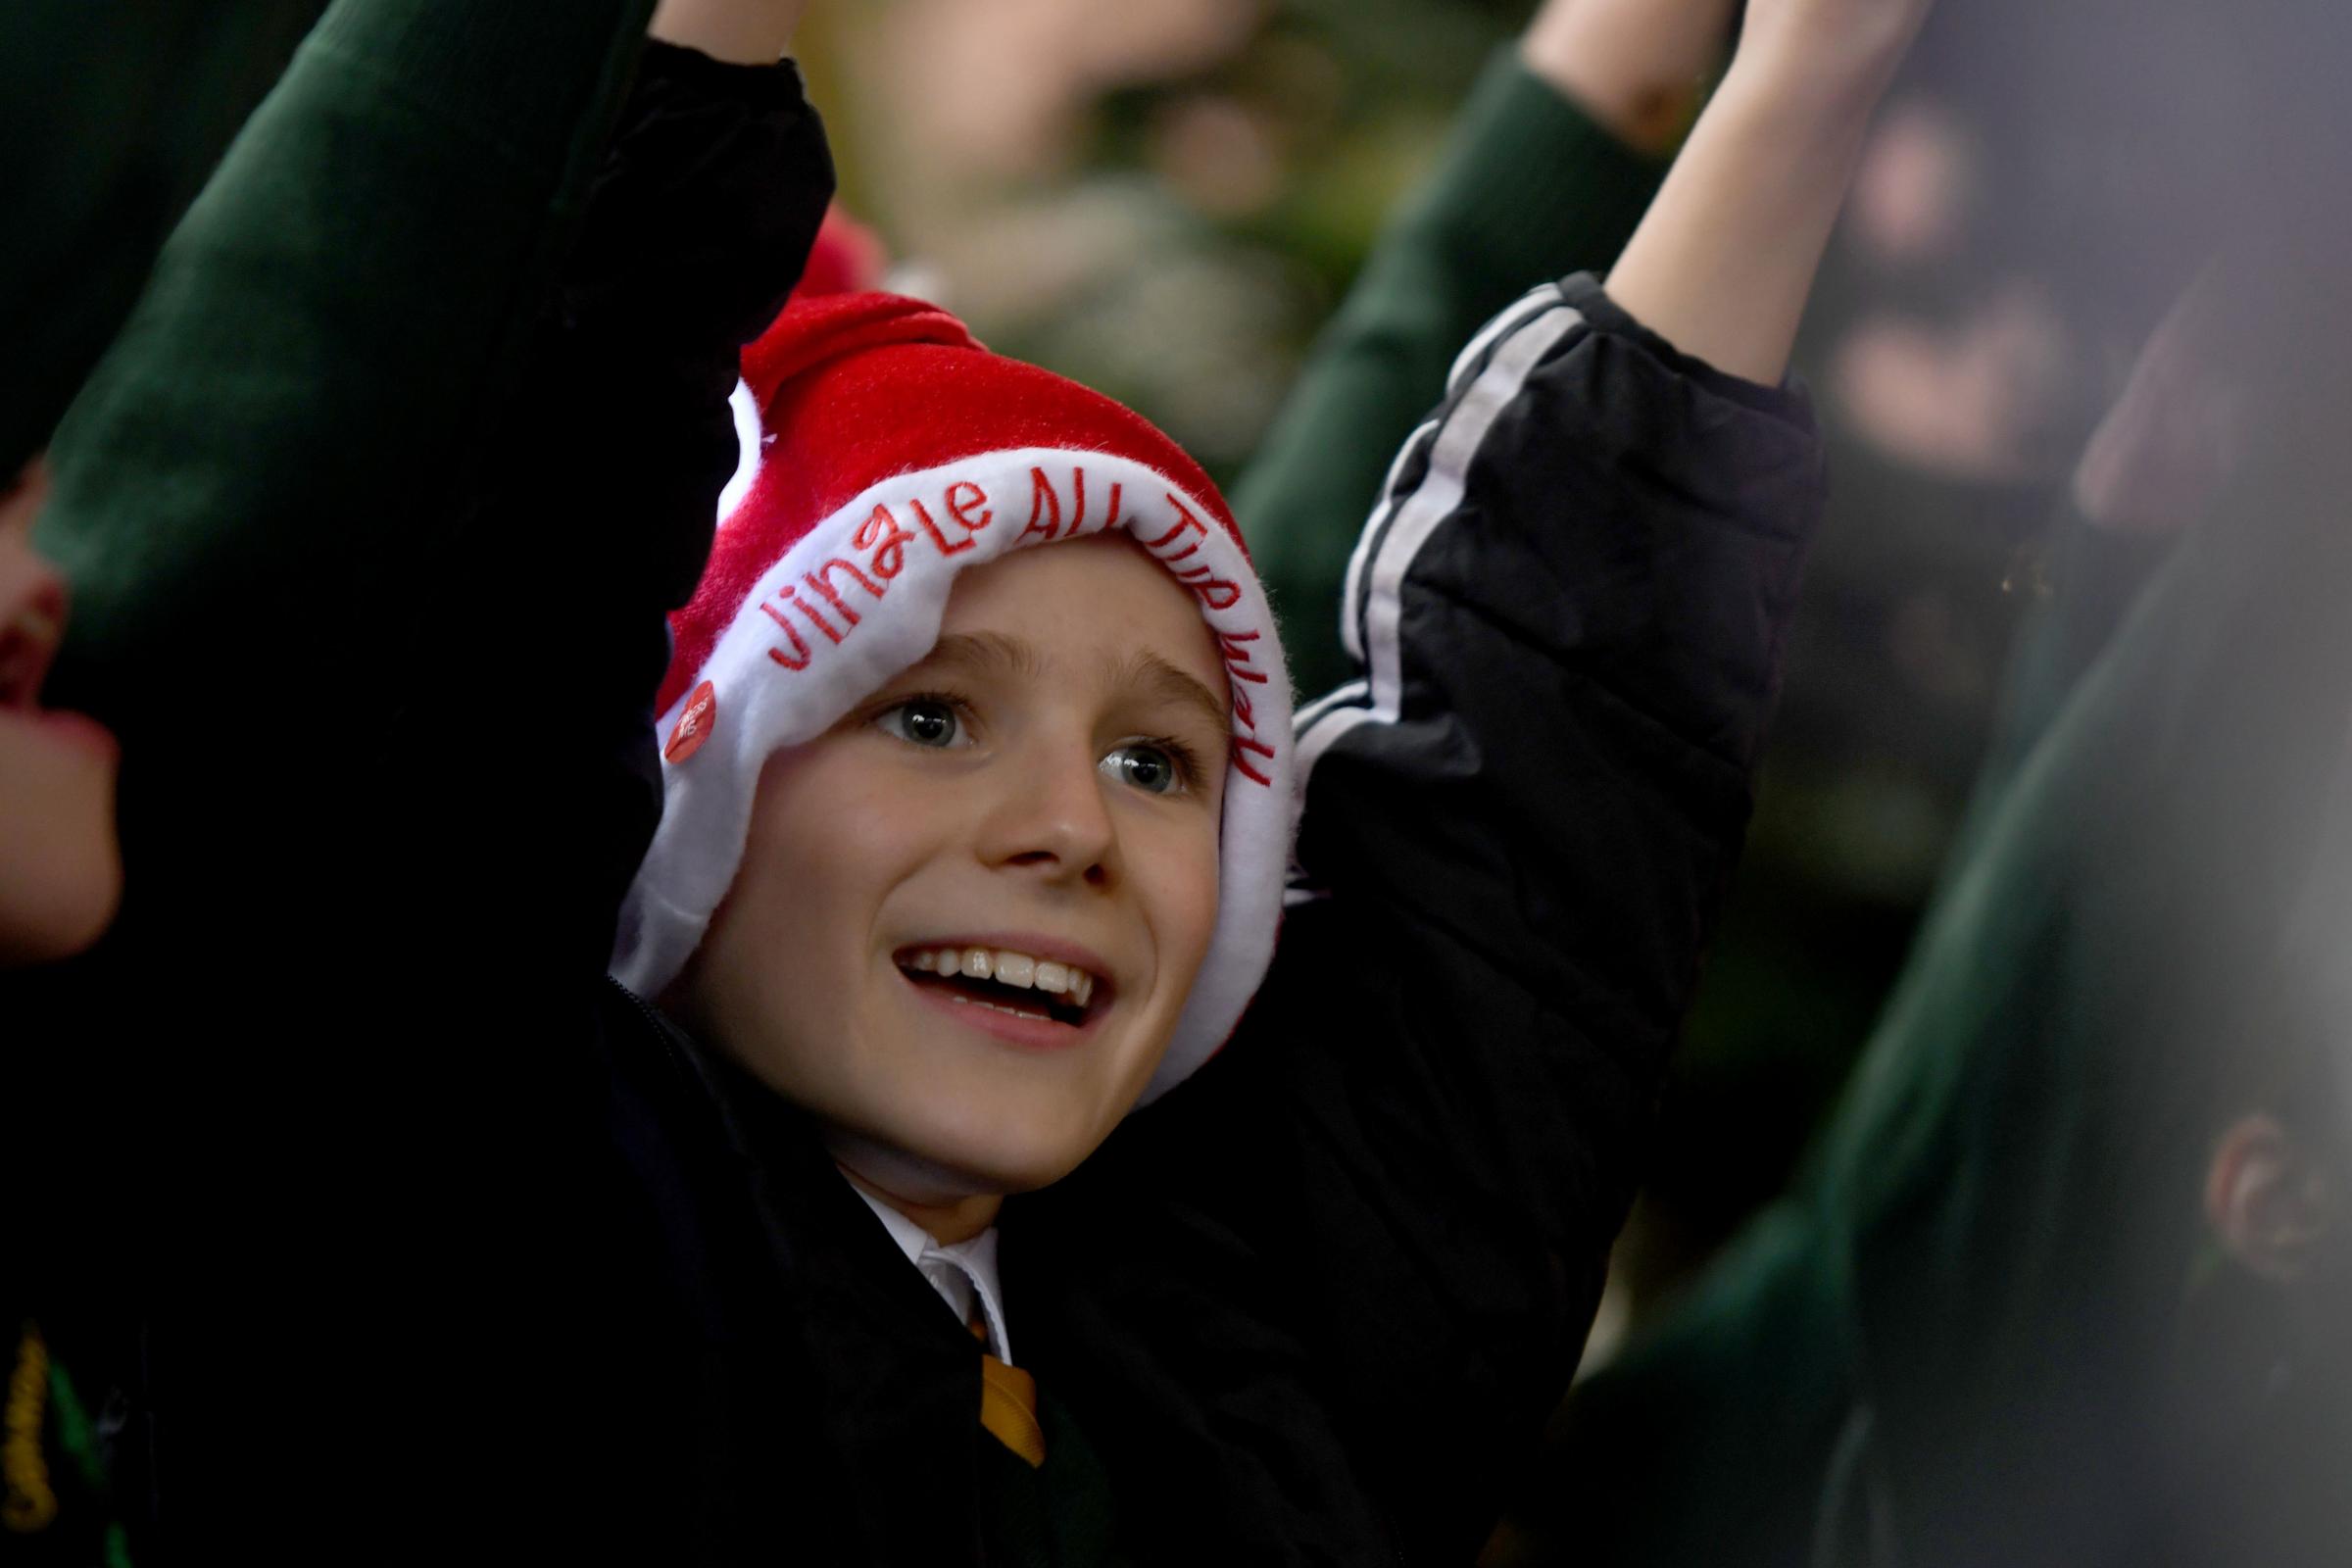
(1005, 981)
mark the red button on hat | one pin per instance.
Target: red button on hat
(694, 725)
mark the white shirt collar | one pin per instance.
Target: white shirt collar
(964, 1274)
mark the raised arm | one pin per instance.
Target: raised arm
(1723, 262)
(1555, 156)
(400, 389)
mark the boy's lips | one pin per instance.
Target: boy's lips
(1034, 989)
(1020, 1028)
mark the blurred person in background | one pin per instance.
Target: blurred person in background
(112, 119)
(2064, 1281)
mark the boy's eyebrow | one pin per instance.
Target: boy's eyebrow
(1149, 671)
(982, 652)
(995, 653)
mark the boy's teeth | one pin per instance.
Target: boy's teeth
(1006, 968)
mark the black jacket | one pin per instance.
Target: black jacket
(462, 1246)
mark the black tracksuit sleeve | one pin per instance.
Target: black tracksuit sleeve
(1569, 605)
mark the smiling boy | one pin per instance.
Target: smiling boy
(934, 869)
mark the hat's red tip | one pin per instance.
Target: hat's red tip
(812, 331)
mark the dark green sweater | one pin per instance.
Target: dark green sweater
(113, 116)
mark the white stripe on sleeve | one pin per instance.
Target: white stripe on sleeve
(1420, 512)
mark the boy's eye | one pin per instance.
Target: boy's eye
(924, 722)
(1147, 767)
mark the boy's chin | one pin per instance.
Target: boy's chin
(949, 1165)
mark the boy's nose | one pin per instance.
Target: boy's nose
(1049, 817)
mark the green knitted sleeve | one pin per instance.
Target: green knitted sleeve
(300, 391)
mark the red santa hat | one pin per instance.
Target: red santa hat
(884, 452)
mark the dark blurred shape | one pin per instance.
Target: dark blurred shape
(112, 114)
(2065, 1279)
(1992, 1325)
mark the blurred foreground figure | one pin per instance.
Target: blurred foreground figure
(112, 116)
(228, 1139)
(2069, 1277)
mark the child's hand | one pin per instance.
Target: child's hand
(1637, 67)
(745, 32)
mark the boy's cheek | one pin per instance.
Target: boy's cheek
(1184, 891)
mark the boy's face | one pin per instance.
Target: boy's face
(60, 871)
(1048, 783)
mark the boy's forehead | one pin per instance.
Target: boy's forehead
(1101, 603)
